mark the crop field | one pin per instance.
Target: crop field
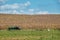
(30, 34)
(29, 21)
(31, 27)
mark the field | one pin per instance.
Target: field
(30, 34)
(29, 21)
(31, 27)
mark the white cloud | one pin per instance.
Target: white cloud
(36, 11)
(10, 12)
(13, 9)
(4, 12)
(7, 6)
(42, 12)
(15, 6)
(21, 11)
(27, 3)
(2, 1)
(31, 10)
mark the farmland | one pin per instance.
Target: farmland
(30, 34)
(33, 27)
(30, 21)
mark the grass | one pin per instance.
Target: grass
(30, 35)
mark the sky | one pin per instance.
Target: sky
(30, 6)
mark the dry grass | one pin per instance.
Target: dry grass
(29, 21)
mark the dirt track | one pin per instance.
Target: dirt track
(29, 21)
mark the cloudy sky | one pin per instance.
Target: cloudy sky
(30, 6)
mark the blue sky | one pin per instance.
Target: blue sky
(30, 6)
